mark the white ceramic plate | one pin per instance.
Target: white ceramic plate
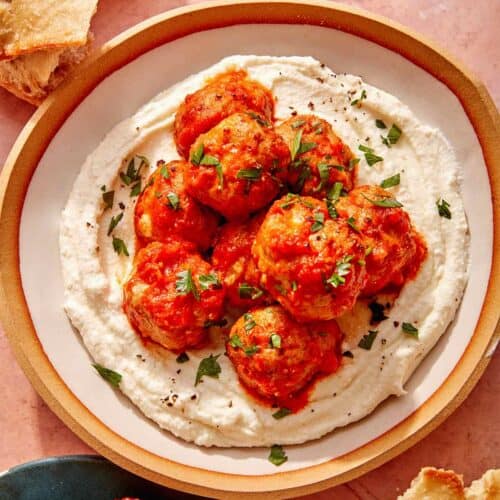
(118, 96)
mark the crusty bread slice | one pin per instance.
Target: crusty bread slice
(486, 488)
(31, 25)
(33, 76)
(435, 484)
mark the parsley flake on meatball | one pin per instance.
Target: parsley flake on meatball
(165, 210)
(172, 295)
(232, 257)
(276, 357)
(312, 264)
(319, 157)
(394, 250)
(238, 166)
(226, 94)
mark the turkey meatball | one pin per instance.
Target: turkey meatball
(165, 210)
(238, 166)
(172, 295)
(232, 257)
(319, 157)
(226, 94)
(276, 357)
(394, 249)
(311, 264)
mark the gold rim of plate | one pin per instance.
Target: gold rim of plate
(166, 27)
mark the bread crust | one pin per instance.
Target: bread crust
(17, 75)
(435, 484)
(28, 26)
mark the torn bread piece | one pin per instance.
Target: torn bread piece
(27, 26)
(33, 76)
(435, 484)
(485, 488)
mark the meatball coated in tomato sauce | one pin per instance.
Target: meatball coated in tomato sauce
(232, 257)
(394, 249)
(311, 264)
(238, 166)
(276, 357)
(165, 210)
(226, 94)
(172, 294)
(320, 158)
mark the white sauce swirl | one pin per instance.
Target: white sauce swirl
(218, 412)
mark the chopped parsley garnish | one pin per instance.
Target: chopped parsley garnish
(246, 291)
(296, 144)
(367, 341)
(324, 174)
(136, 189)
(220, 175)
(336, 191)
(351, 221)
(275, 341)
(277, 456)
(443, 208)
(332, 199)
(348, 354)
(319, 222)
(250, 351)
(114, 222)
(173, 200)
(119, 246)
(250, 174)
(391, 181)
(280, 288)
(305, 174)
(185, 284)
(357, 101)
(318, 128)
(380, 124)
(209, 367)
(133, 173)
(384, 202)
(108, 198)
(410, 329)
(343, 268)
(377, 311)
(299, 147)
(352, 163)
(294, 286)
(197, 154)
(282, 412)
(182, 358)
(209, 160)
(235, 342)
(108, 375)
(290, 199)
(298, 123)
(370, 157)
(164, 172)
(199, 158)
(392, 137)
(209, 280)
(249, 322)
(258, 119)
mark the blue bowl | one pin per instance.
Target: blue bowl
(79, 477)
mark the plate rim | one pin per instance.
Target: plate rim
(158, 30)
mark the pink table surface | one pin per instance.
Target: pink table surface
(469, 441)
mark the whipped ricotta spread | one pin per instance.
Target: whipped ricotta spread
(218, 411)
